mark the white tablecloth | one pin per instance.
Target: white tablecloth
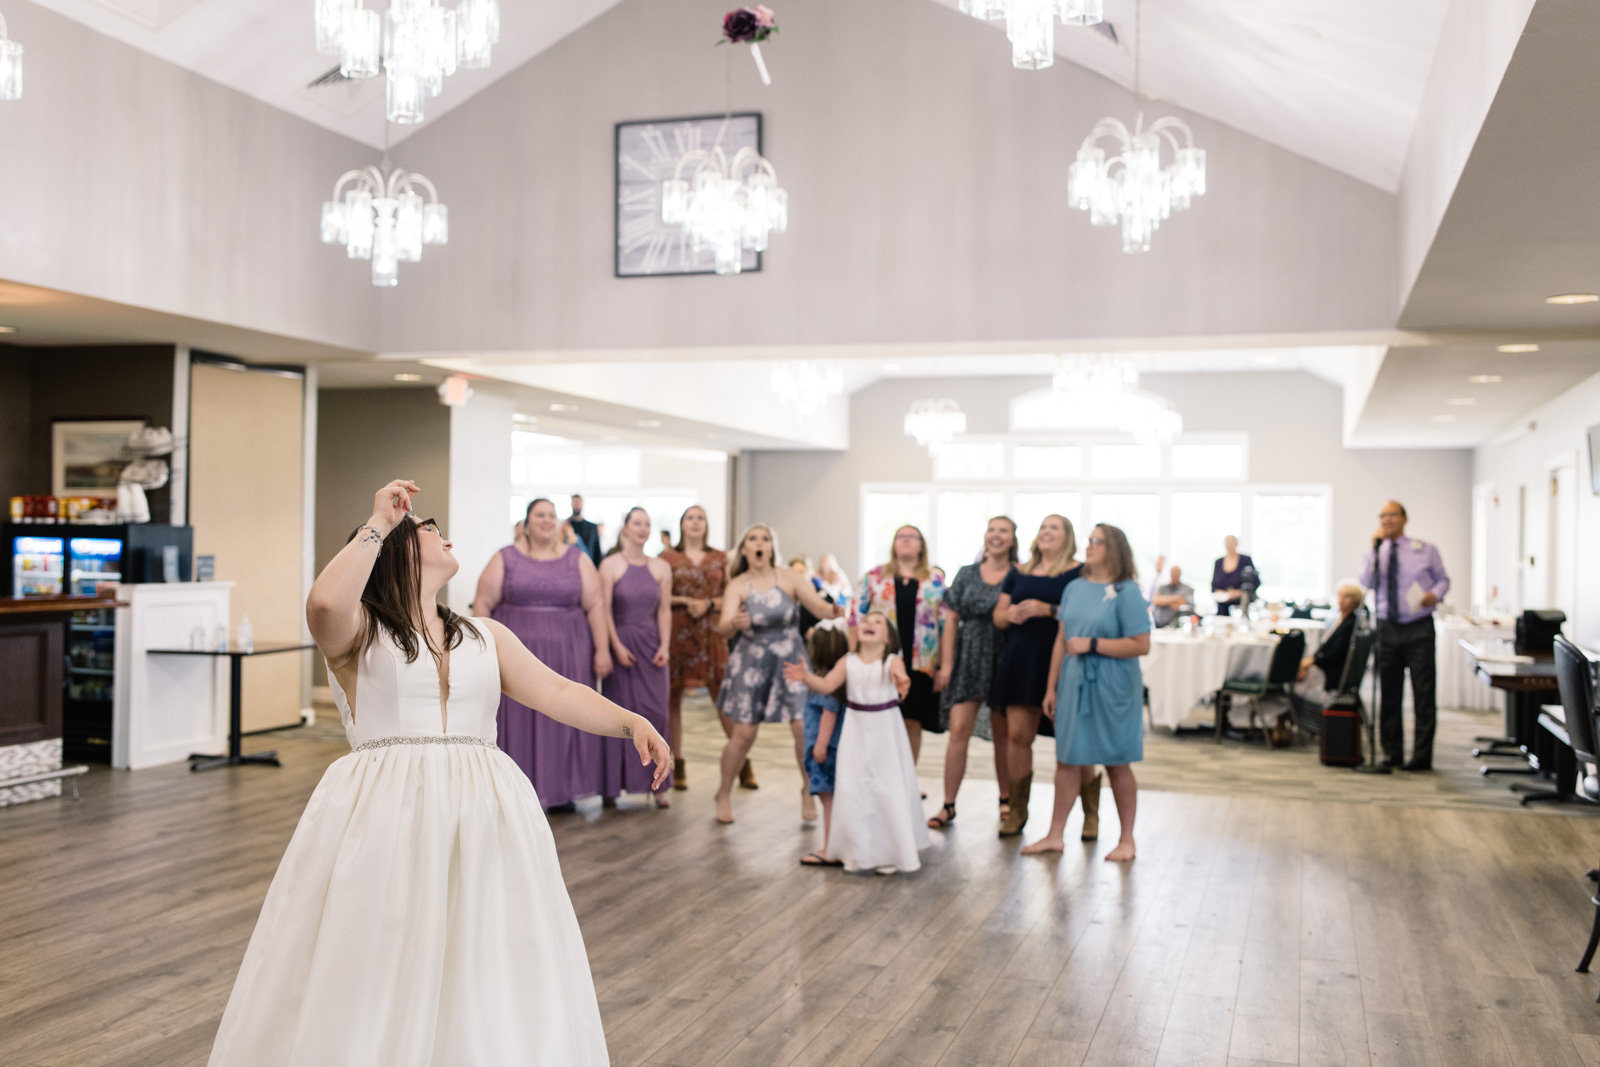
(1181, 670)
(1459, 687)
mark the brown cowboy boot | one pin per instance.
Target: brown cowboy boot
(680, 774)
(1014, 821)
(747, 777)
(1090, 793)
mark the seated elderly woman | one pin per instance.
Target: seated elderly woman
(1320, 671)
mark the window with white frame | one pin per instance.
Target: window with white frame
(1178, 501)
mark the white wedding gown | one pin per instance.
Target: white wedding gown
(418, 918)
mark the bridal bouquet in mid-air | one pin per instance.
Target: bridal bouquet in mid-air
(750, 25)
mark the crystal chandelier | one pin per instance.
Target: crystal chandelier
(727, 206)
(1132, 187)
(384, 219)
(935, 422)
(1099, 391)
(10, 65)
(417, 43)
(806, 385)
(1030, 24)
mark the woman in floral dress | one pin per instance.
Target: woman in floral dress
(699, 652)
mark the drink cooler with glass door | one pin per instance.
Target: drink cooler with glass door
(55, 558)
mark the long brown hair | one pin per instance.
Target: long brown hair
(393, 597)
(705, 543)
(827, 646)
(1119, 554)
(923, 570)
(1063, 559)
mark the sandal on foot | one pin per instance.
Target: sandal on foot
(946, 816)
(817, 859)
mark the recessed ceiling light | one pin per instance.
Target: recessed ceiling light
(648, 424)
(8, 329)
(1444, 418)
(1461, 401)
(408, 377)
(1573, 298)
(1516, 348)
(1484, 379)
(563, 407)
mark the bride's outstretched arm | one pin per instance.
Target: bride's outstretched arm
(333, 609)
(530, 683)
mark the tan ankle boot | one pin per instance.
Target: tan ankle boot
(680, 774)
(747, 777)
(1090, 794)
(1013, 823)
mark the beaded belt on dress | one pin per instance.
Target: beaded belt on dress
(424, 739)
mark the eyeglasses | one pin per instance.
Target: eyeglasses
(1097, 541)
(430, 525)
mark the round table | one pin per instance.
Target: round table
(1182, 670)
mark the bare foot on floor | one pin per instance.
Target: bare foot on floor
(724, 808)
(1122, 853)
(808, 805)
(663, 800)
(1044, 844)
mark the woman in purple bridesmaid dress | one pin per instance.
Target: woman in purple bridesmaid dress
(637, 591)
(548, 594)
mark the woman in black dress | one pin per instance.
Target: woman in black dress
(1228, 575)
(970, 651)
(1026, 613)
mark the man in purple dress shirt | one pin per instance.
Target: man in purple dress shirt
(1408, 580)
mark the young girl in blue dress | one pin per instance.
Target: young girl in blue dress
(823, 717)
(1095, 695)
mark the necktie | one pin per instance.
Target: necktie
(1391, 585)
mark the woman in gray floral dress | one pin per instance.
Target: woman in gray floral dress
(761, 605)
(972, 649)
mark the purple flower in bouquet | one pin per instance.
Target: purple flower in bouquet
(749, 24)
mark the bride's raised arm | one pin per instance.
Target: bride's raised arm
(530, 683)
(333, 609)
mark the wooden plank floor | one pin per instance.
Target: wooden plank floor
(1253, 929)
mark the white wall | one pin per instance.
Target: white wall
(926, 183)
(1561, 430)
(130, 179)
(480, 486)
(1294, 421)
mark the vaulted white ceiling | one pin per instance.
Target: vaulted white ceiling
(1336, 81)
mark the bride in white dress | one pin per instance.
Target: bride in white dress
(418, 918)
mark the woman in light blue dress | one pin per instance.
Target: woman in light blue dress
(1096, 692)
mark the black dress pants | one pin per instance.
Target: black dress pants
(1403, 647)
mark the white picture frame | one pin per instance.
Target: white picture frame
(86, 457)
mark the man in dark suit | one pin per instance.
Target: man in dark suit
(588, 533)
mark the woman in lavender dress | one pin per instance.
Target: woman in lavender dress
(637, 591)
(548, 594)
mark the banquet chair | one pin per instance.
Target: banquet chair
(1247, 678)
(1570, 728)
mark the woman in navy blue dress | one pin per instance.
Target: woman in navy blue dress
(1026, 615)
(1096, 692)
(1228, 576)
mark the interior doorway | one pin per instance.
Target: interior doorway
(1562, 530)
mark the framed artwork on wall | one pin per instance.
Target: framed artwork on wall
(647, 154)
(86, 457)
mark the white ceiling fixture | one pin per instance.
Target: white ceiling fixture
(807, 385)
(934, 422)
(1516, 348)
(10, 65)
(727, 206)
(417, 44)
(1572, 298)
(1101, 392)
(384, 219)
(1031, 24)
(1132, 187)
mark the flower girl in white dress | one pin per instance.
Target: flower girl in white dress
(418, 918)
(877, 806)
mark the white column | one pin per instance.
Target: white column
(478, 524)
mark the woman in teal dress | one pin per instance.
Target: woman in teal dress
(1096, 693)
